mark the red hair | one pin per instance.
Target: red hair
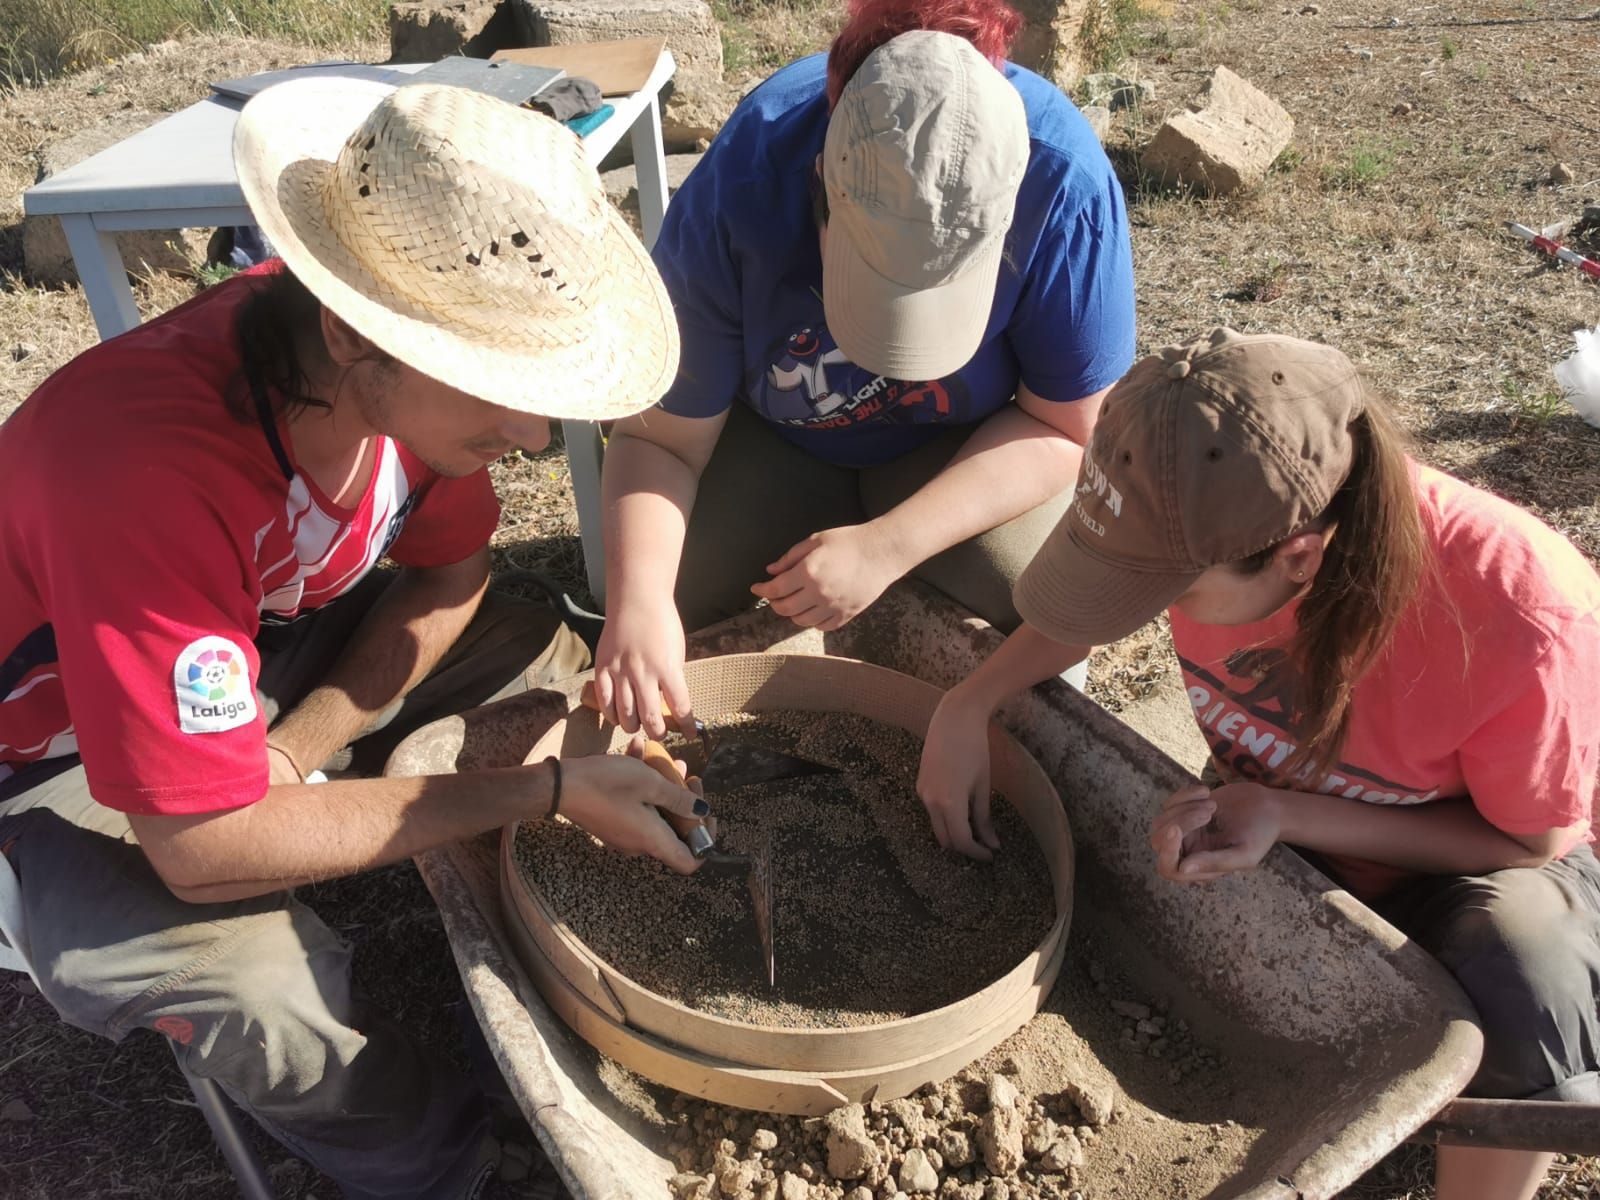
(990, 25)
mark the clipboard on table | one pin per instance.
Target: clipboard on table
(617, 68)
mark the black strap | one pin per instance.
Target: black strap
(269, 426)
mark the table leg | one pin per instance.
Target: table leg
(585, 448)
(104, 278)
(650, 167)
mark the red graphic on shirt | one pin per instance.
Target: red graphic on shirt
(179, 1029)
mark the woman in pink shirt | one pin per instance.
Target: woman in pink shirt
(1394, 672)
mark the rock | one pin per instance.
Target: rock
(1404, 109)
(763, 1141)
(956, 1147)
(767, 1189)
(1116, 92)
(1000, 1139)
(909, 1116)
(16, 1111)
(917, 1173)
(1309, 10)
(45, 256)
(1039, 1137)
(1131, 1010)
(859, 1193)
(428, 30)
(1094, 1102)
(736, 1180)
(1561, 174)
(1099, 118)
(19, 352)
(1150, 1028)
(792, 1187)
(850, 1152)
(694, 112)
(690, 1186)
(1002, 1092)
(932, 1105)
(1062, 1156)
(1051, 41)
(996, 1189)
(1226, 144)
(696, 103)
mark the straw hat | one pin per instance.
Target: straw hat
(468, 238)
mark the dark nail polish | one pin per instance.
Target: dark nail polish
(701, 808)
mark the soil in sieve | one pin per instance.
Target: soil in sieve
(872, 921)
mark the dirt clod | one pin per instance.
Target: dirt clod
(851, 1153)
(917, 1174)
(1000, 1135)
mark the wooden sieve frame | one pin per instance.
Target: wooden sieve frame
(784, 1068)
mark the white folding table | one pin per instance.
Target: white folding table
(178, 174)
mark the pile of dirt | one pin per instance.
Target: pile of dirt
(1041, 1117)
(872, 921)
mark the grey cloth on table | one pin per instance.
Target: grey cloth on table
(567, 99)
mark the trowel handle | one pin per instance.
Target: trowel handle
(692, 830)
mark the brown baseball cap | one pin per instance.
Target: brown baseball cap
(924, 154)
(1204, 454)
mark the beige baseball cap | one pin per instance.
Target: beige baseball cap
(924, 155)
(1204, 454)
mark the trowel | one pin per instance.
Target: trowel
(722, 767)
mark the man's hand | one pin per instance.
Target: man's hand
(827, 579)
(640, 660)
(1201, 835)
(620, 801)
(953, 781)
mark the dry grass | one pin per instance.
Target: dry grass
(759, 36)
(1379, 232)
(41, 39)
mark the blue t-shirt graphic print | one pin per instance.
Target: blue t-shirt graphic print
(740, 257)
(811, 384)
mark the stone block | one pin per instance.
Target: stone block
(1051, 38)
(687, 25)
(428, 30)
(45, 257)
(696, 102)
(1226, 142)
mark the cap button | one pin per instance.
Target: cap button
(1173, 353)
(1178, 369)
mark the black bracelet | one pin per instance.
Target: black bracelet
(555, 791)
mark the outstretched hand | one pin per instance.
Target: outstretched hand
(953, 780)
(1202, 834)
(827, 579)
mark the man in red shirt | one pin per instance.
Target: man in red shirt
(190, 515)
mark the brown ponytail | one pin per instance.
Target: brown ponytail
(1370, 573)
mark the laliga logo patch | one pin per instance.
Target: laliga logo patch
(212, 682)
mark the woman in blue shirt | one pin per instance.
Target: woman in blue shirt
(903, 282)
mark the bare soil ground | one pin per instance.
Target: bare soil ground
(1420, 129)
